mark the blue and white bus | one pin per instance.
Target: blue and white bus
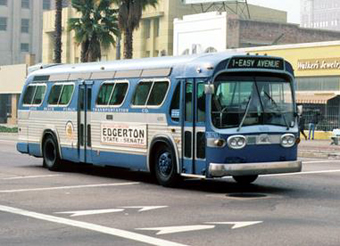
(207, 116)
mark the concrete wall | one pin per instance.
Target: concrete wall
(255, 33)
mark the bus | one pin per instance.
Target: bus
(206, 116)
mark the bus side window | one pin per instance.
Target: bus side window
(66, 94)
(29, 93)
(104, 94)
(55, 94)
(200, 103)
(39, 95)
(174, 108)
(158, 93)
(142, 92)
(119, 94)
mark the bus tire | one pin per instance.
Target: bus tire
(245, 180)
(165, 166)
(51, 157)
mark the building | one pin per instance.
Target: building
(153, 38)
(321, 14)
(317, 71)
(21, 26)
(193, 33)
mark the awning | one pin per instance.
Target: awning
(314, 98)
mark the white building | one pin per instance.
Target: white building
(21, 25)
(321, 14)
(200, 33)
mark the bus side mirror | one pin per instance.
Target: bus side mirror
(299, 110)
(209, 89)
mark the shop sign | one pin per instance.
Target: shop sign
(319, 64)
(128, 135)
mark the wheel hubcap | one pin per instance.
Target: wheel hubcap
(165, 163)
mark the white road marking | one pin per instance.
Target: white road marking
(92, 227)
(8, 141)
(91, 212)
(315, 161)
(146, 208)
(301, 173)
(236, 225)
(68, 187)
(177, 229)
(31, 177)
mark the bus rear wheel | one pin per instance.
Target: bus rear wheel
(245, 179)
(51, 154)
(165, 167)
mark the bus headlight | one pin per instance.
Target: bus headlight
(236, 142)
(287, 140)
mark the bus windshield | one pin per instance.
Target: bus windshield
(252, 100)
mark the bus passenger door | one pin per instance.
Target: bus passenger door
(84, 121)
(193, 136)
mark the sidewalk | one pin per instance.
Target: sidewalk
(318, 149)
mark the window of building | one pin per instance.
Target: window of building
(34, 94)
(25, 4)
(3, 2)
(61, 94)
(24, 47)
(210, 50)
(147, 28)
(47, 4)
(150, 93)
(112, 94)
(3, 23)
(156, 23)
(25, 25)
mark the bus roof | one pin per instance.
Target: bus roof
(186, 64)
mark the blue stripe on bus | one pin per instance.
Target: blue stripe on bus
(22, 148)
(106, 158)
(34, 149)
(252, 153)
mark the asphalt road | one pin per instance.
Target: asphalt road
(105, 206)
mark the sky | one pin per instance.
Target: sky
(292, 7)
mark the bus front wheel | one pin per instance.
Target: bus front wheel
(165, 167)
(245, 179)
(51, 154)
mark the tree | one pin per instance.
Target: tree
(129, 17)
(57, 31)
(96, 27)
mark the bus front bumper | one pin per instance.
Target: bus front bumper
(245, 169)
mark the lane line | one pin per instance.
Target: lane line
(314, 161)
(69, 187)
(31, 177)
(8, 141)
(301, 173)
(92, 227)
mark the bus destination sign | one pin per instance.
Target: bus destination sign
(255, 63)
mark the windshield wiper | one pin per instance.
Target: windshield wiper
(278, 109)
(245, 113)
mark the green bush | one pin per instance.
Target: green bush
(8, 129)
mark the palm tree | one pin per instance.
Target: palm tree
(129, 17)
(57, 31)
(96, 27)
